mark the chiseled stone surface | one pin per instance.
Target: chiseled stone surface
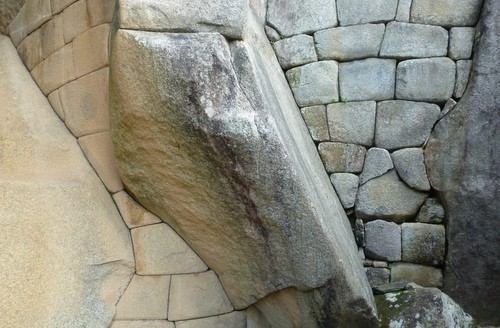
(55, 102)
(388, 198)
(431, 212)
(428, 79)
(464, 68)
(272, 34)
(100, 12)
(461, 42)
(377, 162)
(409, 163)
(346, 186)
(423, 243)
(446, 12)
(367, 79)
(404, 123)
(146, 297)
(236, 319)
(159, 250)
(295, 51)
(378, 276)
(90, 50)
(352, 12)
(197, 295)
(352, 122)
(404, 40)
(308, 89)
(30, 50)
(52, 35)
(132, 213)
(75, 20)
(142, 324)
(315, 118)
(60, 5)
(427, 276)
(341, 157)
(296, 17)
(383, 240)
(37, 13)
(350, 42)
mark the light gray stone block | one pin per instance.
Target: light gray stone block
(351, 42)
(423, 243)
(461, 42)
(403, 12)
(367, 79)
(340, 157)
(377, 276)
(295, 51)
(315, 118)
(426, 276)
(430, 79)
(446, 12)
(409, 163)
(352, 122)
(383, 240)
(305, 16)
(404, 40)
(463, 72)
(353, 12)
(431, 212)
(448, 106)
(402, 123)
(377, 162)
(346, 186)
(315, 83)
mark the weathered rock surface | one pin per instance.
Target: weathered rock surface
(352, 12)
(378, 276)
(315, 118)
(431, 212)
(446, 12)
(409, 163)
(423, 243)
(352, 122)
(340, 157)
(461, 42)
(463, 72)
(462, 159)
(422, 275)
(346, 186)
(377, 162)
(383, 240)
(295, 51)
(66, 254)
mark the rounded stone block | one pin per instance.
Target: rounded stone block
(446, 12)
(377, 162)
(315, 118)
(346, 186)
(409, 163)
(295, 51)
(461, 42)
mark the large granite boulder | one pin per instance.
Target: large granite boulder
(201, 140)
(462, 159)
(66, 254)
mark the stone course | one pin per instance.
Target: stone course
(352, 122)
(295, 51)
(353, 12)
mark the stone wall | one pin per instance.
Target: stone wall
(372, 79)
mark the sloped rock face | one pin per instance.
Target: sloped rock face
(463, 164)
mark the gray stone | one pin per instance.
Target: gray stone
(403, 12)
(377, 162)
(351, 42)
(390, 287)
(352, 122)
(388, 198)
(297, 17)
(421, 307)
(446, 12)
(271, 33)
(8, 11)
(380, 264)
(367, 79)
(423, 243)
(448, 106)
(463, 72)
(423, 275)
(295, 51)
(430, 79)
(315, 118)
(377, 276)
(461, 42)
(431, 212)
(383, 240)
(310, 90)
(404, 123)
(227, 17)
(359, 235)
(404, 40)
(409, 163)
(353, 12)
(340, 157)
(346, 186)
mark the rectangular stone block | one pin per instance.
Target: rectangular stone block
(463, 72)
(91, 50)
(461, 42)
(352, 122)
(52, 36)
(423, 243)
(340, 157)
(37, 13)
(295, 51)
(30, 50)
(446, 12)
(75, 20)
(101, 11)
(426, 276)
(378, 276)
(404, 40)
(353, 12)
(403, 12)
(315, 118)
(383, 240)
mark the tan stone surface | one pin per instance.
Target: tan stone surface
(55, 102)
(160, 250)
(75, 20)
(37, 13)
(66, 254)
(98, 149)
(101, 11)
(30, 50)
(52, 36)
(255, 319)
(55, 71)
(132, 213)
(18, 29)
(146, 297)
(91, 50)
(236, 319)
(8, 11)
(60, 5)
(142, 324)
(85, 103)
(197, 295)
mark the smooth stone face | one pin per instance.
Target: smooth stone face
(315, 118)
(390, 287)
(423, 275)
(101, 12)
(236, 319)
(431, 212)
(272, 34)
(132, 213)
(403, 40)
(142, 324)
(463, 72)
(352, 122)
(461, 42)
(346, 186)
(368, 79)
(295, 51)
(388, 198)
(430, 79)
(52, 34)
(409, 163)
(348, 43)
(91, 50)
(353, 12)
(297, 17)
(446, 12)
(383, 240)
(404, 123)
(377, 162)
(30, 50)
(378, 276)
(75, 20)
(403, 12)
(423, 243)
(308, 89)
(341, 157)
